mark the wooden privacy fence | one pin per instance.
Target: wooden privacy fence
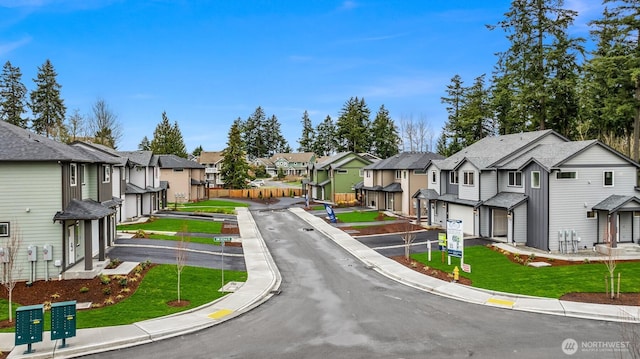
(255, 193)
(344, 198)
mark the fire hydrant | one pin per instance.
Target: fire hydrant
(456, 274)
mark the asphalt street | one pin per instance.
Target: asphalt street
(331, 306)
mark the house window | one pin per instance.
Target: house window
(106, 173)
(515, 179)
(453, 177)
(398, 174)
(535, 179)
(434, 177)
(361, 173)
(341, 171)
(178, 170)
(608, 178)
(592, 214)
(73, 174)
(368, 174)
(636, 213)
(566, 175)
(83, 171)
(468, 177)
(4, 229)
(404, 174)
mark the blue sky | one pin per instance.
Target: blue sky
(207, 63)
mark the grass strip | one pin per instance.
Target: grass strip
(175, 225)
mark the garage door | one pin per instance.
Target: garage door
(465, 214)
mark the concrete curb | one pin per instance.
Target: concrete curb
(407, 276)
(263, 280)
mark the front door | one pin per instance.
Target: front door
(500, 224)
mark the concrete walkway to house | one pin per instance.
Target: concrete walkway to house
(264, 280)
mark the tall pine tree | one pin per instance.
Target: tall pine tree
(308, 133)
(235, 169)
(167, 139)
(12, 96)
(325, 143)
(353, 127)
(451, 139)
(386, 140)
(253, 134)
(46, 104)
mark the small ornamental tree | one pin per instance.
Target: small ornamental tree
(181, 255)
(408, 237)
(10, 272)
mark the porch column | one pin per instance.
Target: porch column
(418, 210)
(88, 261)
(101, 235)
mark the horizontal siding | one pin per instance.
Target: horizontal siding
(36, 186)
(488, 184)
(596, 155)
(570, 199)
(465, 191)
(520, 224)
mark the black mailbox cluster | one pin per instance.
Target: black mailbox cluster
(30, 323)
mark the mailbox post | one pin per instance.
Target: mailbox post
(29, 325)
(63, 321)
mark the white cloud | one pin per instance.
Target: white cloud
(8, 47)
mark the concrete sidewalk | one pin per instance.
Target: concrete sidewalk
(263, 279)
(400, 273)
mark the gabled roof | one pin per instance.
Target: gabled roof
(327, 161)
(405, 161)
(210, 157)
(101, 150)
(293, 156)
(140, 158)
(173, 161)
(18, 144)
(393, 187)
(552, 156)
(495, 149)
(426, 194)
(615, 202)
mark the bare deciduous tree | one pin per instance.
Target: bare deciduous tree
(610, 261)
(10, 272)
(104, 125)
(408, 237)
(181, 255)
(417, 136)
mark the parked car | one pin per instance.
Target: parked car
(256, 183)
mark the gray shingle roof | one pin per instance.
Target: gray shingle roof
(508, 200)
(18, 144)
(141, 158)
(490, 150)
(405, 161)
(173, 161)
(86, 209)
(615, 202)
(551, 155)
(393, 187)
(453, 198)
(426, 194)
(101, 150)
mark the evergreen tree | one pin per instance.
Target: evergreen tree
(272, 137)
(167, 139)
(46, 104)
(453, 129)
(308, 134)
(386, 140)
(104, 125)
(353, 127)
(235, 169)
(611, 84)
(197, 151)
(254, 132)
(325, 143)
(12, 96)
(540, 66)
(145, 144)
(474, 114)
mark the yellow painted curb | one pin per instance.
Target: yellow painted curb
(220, 314)
(503, 302)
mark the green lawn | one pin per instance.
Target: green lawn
(493, 270)
(199, 286)
(175, 225)
(361, 216)
(209, 206)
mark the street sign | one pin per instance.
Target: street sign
(224, 239)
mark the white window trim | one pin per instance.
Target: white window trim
(106, 174)
(4, 229)
(398, 174)
(466, 175)
(594, 213)
(613, 182)
(73, 175)
(532, 176)
(434, 177)
(516, 174)
(83, 167)
(453, 175)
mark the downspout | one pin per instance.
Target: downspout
(546, 234)
(479, 206)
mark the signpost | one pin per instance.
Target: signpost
(442, 243)
(455, 242)
(222, 240)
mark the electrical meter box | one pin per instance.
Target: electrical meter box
(4, 255)
(32, 253)
(29, 324)
(47, 252)
(63, 320)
